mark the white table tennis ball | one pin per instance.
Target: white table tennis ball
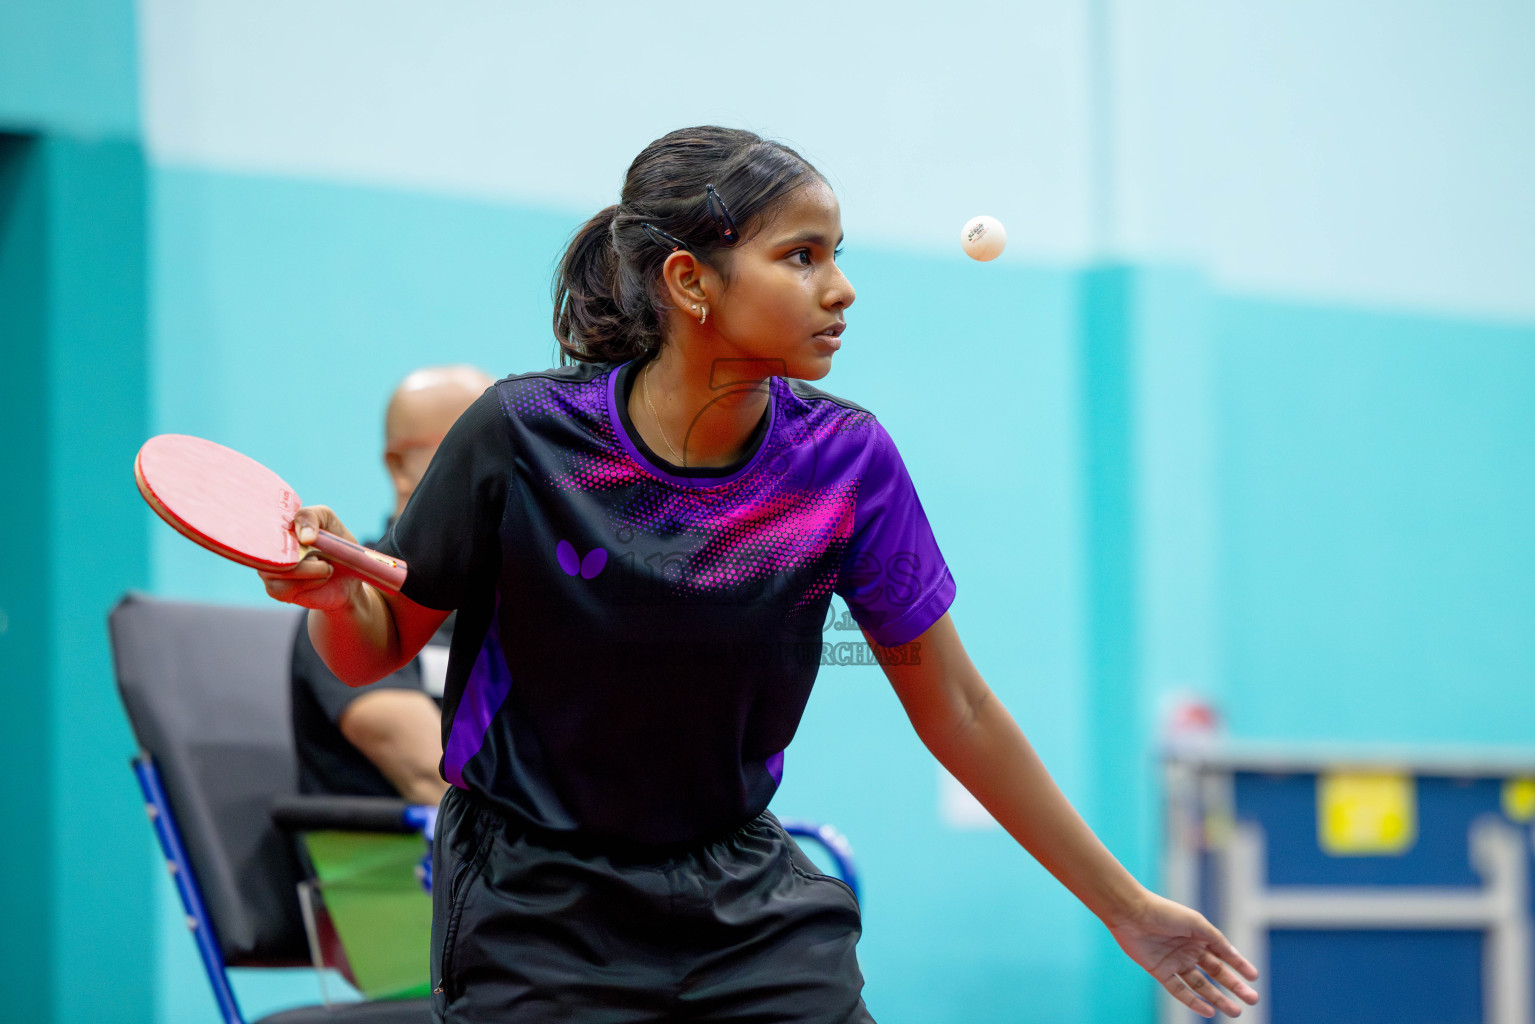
(984, 238)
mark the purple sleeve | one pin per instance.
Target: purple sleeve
(893, 578)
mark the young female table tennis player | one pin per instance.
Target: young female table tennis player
(641, 548)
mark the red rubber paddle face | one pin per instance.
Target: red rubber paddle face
(227, 502)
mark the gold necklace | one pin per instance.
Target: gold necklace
(645, 387)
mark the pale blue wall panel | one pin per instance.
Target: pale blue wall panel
(1360, 151)
(1340, 151)
(925, 117)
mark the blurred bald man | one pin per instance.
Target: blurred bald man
(385, 739)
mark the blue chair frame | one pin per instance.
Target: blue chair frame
(834, 843)
(163, 819)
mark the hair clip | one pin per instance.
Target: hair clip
(661, 238)
(722, 218)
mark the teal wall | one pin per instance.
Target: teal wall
(25, 622)
(72, 280)
(1379, 486)
(69, 66)
(1197, 431)
(99, 412)
(74, 406)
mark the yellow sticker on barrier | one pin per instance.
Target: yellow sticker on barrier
(1519, 799)
(1366, 814)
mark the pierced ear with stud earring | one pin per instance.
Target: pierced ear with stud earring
(702, 316)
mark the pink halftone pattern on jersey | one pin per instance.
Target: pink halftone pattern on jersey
(770, 521)
(593, 470)
(598, 471)
(780, 532)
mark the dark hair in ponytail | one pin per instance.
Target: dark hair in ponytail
(608, 295)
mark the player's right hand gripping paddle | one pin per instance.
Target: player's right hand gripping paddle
(236, 507)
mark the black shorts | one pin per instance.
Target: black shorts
(741, 929)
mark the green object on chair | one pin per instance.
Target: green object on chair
(378, 908)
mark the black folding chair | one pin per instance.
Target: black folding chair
(206, 691)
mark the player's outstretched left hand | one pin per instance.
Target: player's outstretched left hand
(1188, 955)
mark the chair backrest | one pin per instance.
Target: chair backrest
(206, 690)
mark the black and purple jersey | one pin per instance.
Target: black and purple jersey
(636, 641)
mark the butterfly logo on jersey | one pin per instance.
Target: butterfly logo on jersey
(575, 565)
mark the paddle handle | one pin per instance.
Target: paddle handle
(382, 570)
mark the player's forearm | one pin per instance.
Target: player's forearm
(985, 750)
(358, 641)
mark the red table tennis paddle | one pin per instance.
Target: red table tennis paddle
(236, 507)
